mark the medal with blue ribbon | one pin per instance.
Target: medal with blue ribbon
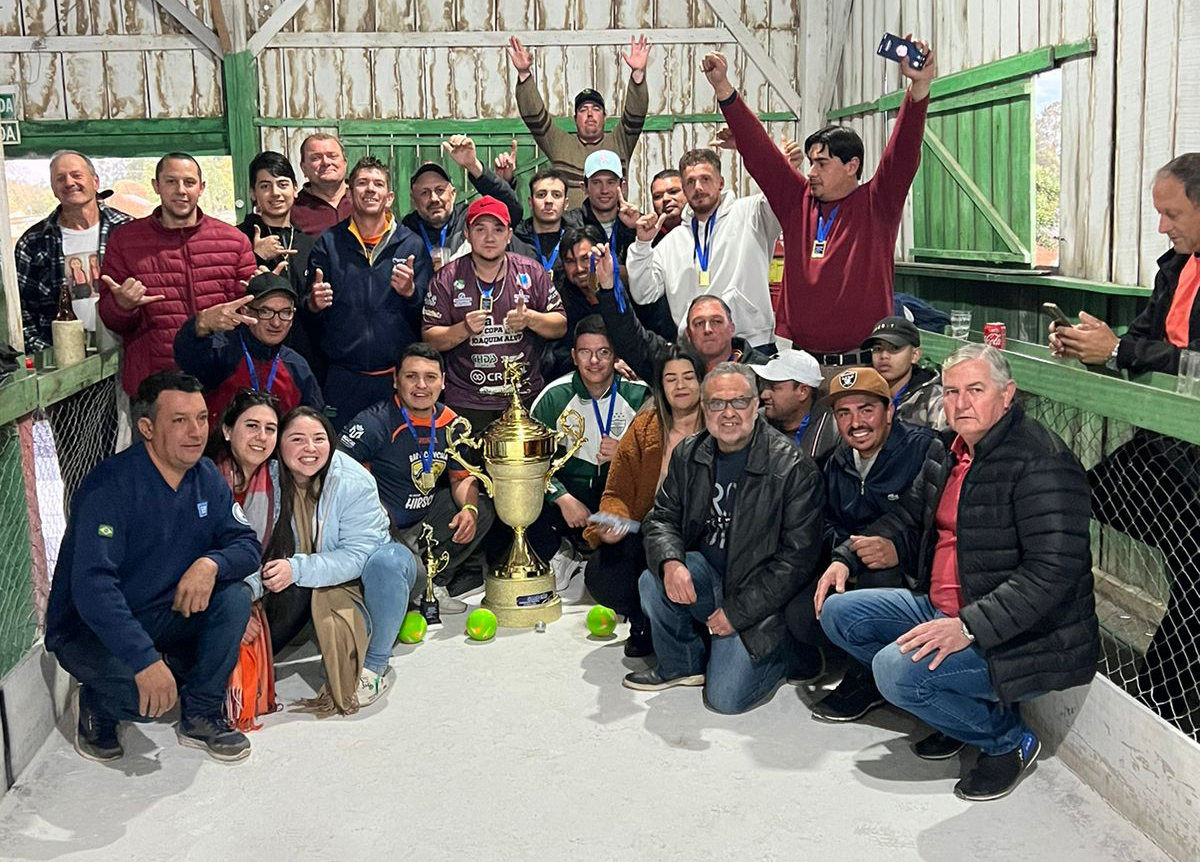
(425, 480)
(704, 252)
(254, 372)
(606, 429)
(547, 262)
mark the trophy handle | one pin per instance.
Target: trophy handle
(571, 427)
(458, 433)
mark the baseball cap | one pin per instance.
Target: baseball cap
(857, 380)
(896, 331)
(589, 95)
(426, 168)
(795, 365)
(602, 160)
(268, 282)
(488, 206)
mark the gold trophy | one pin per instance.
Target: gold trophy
(433, 564)
(518, 452)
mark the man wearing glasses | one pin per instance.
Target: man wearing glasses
(239, 344)
(734, 534)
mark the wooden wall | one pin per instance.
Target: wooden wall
(1125, 111)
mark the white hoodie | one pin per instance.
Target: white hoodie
(739, 267)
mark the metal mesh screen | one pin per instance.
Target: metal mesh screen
(1146, 552)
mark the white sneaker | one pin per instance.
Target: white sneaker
(372, 686)
(565, 568)
(447, 604)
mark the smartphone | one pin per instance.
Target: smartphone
(897, 49)
(1056, 314)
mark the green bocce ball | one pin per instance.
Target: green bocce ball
(412, 630)
(481, 625)
(602, 621)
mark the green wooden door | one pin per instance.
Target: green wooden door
(973, 198)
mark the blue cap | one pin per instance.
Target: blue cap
(602, 160)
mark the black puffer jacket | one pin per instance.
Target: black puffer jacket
(774, 534)
(1145, 347)
(1024, 554)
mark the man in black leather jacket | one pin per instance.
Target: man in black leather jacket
(734, 534)
(1003, 607)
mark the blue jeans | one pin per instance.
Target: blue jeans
(733, 681)
(958, 698)
(201, 651)
(387, 581)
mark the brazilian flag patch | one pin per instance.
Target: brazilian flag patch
(105, 531)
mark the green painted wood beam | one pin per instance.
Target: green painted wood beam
(975, 98)
(18, 395)
(203, 136)
(1017, 277)
(56, 384)
(1010, 68)
(1148, 402)
(241, 107)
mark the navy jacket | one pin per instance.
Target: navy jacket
(369, 325)
(852, 503)
(129, 541)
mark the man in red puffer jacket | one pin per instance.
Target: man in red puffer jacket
(164, 268)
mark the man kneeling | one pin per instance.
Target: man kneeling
(1003, 609)
(735, 532)
(148, 588)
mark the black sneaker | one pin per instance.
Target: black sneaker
(851, 700)
(649, 680)
(95, 735)
(937, 746)
(215, 736)
(809, 666)
(997, 775)
(639, 644)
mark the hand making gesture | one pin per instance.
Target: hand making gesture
(520, 58)
(637, 58)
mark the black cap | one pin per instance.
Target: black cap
(586, 96)
(896, 331)
(268, 282)
(426, 168)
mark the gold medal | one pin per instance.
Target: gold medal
(422, 481)
(485, 303)
(818, 248)
(704, 278)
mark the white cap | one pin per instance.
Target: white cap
(795, 365)
(602, 160)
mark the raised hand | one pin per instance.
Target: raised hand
(402, 276)
(627, 212)
(794, 150)
(505, 164)
(130, 293)
(270, 247)
(723, 139)
(923, 77)
(602, 254)
(223, 317)
(462, 149)
(638, 57)
(649, 225)
(520, 58)
(517, 318)
(716, 68)
(321, 295)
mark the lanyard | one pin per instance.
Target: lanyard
(800, 431)
(896, 398)
(823, 227)
(426, 456)
(254, 372)
(547, 262)
(485, 296)
(703, 253)
(428, 241)
(612, 403)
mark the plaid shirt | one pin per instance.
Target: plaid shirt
(40, 272)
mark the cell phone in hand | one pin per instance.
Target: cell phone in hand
(1056, 314)
(898, 50)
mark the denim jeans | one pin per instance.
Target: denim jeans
(201, 651)
(958, 698)
(733, 681)
(387, 580)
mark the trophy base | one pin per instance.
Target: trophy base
(522, 602)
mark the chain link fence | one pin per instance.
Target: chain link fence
(1146, 553)
(17, 626)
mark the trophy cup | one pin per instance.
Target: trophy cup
(518, 452)
(433, 564)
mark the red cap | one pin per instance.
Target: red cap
(488, 205)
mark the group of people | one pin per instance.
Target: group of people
(289, 383)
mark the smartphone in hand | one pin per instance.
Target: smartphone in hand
(894, 48)
(1056, 314)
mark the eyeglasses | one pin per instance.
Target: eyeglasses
(284, 314)
(718, 405)
(586, 353)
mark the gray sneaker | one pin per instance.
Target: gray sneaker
(215, 736)
(447, 604)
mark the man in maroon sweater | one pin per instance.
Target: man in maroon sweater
(839, 234)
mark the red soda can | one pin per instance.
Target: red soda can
(995, 334)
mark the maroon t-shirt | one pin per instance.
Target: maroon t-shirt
(314, 215)
(475, 368)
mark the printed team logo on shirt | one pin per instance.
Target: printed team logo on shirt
(485, 360)
(202, 508)
(105, 531)
(422, 481)
(430, 300)
(239, 514)
(459, 284)
(352, 435)
(524, 280)
(463, 301)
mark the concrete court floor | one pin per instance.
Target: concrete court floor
(528, 748)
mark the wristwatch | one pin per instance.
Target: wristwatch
(966, 631)
(1111, 362)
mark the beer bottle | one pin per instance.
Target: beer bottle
(65, 310)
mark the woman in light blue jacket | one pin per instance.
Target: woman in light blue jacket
(330, 549)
